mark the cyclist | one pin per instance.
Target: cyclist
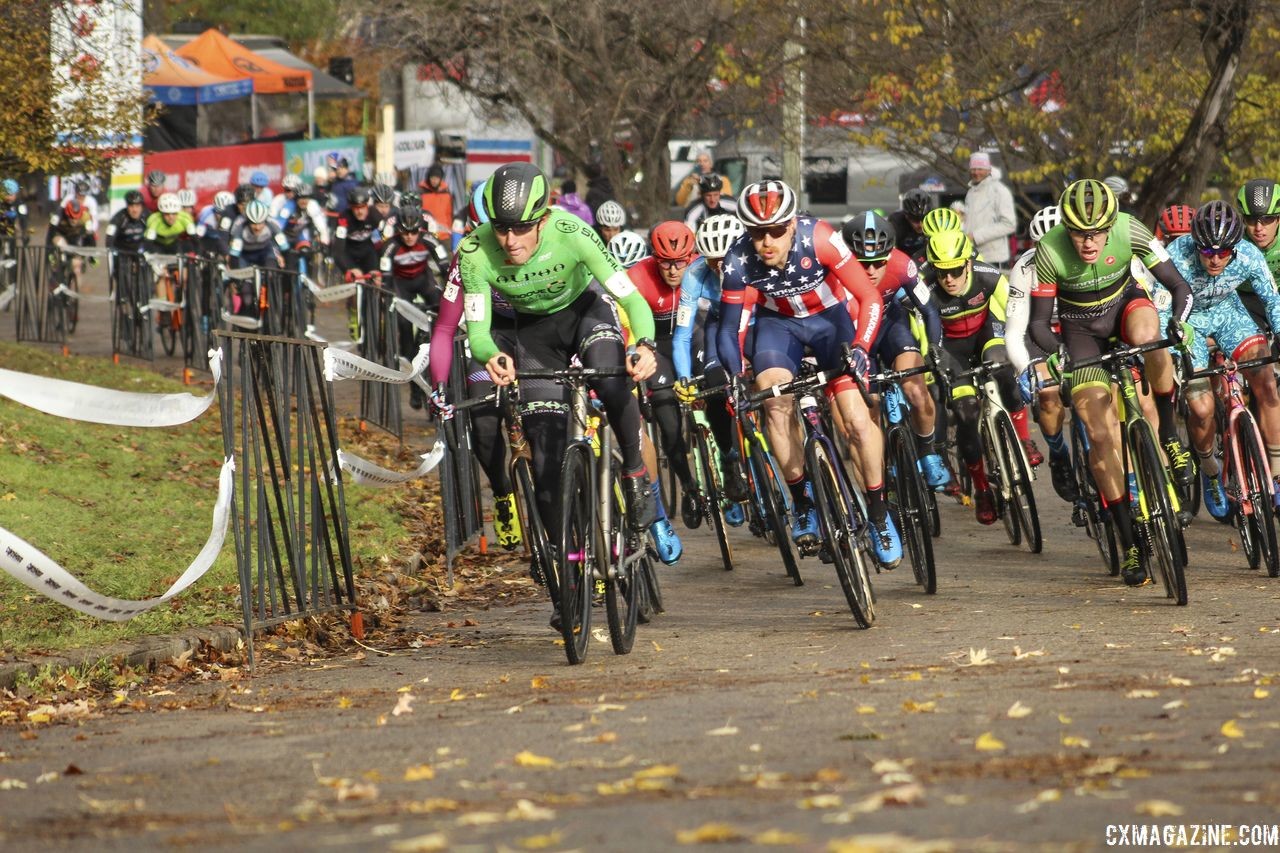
(384, 199)
(1022, 279)
(543, 261)
(256, 241)
(13, 212)
(261, 187)
(213, 225)
(1217, 263)
(1083, 264)
(701, 281)
(1259, 201)
(71, 225)
(908, 223)
(187, 201)
(804, 275)
(871, 238)
(127, 228)
(170, 231)
(628, 248)
(1174, 221)
(972, 297)
(81, 194)
(657, 277)
(711, 203)
(358, 236)
(611, 218)
(154, 188)
(413, 263)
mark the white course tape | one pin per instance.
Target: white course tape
(239, 321)
(331, 294)
(81, 402)
(27, 565)
(6, 296)
(419, 379)
(82, 297)
(163, 305)
(412, 313)
(365, 473)
(339, 364)
(243, 274)
(87, 251)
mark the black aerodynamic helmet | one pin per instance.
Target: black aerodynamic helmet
(869, 236)
(916, 203)
(516, 193)
(1217, 225)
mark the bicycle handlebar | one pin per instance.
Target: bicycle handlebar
(1121, 354)
(1230, 366)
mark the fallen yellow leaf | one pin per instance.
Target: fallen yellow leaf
(419, 773)
(821, 801)
(344, 702)
(1231, 729)
(987, 742)
(657, 771)
(1158, 808)
(1259, 693)
(538, 682)
(541, 842)
(1072, 740)
(919, 707)
(709, 833)
(422, 844)
(778, 837)
(1141, 694)
(866, 709)
(1017, 711)
(457, 695)
(528, 759)
(1064, 719)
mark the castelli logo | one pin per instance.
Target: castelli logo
(805, 263)
(1111, 259)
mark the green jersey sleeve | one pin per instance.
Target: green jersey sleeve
(605, 269)
(474, 268)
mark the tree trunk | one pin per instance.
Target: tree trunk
(1186, 167)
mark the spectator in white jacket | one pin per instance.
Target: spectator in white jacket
(989, 216)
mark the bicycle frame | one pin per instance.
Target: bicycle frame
(1237, 409)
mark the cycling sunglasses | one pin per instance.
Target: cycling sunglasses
(674, 263)
(873, 263)
(1211, 252)
(1269, 219)
(775, 231)
(519, 229)
(1089, 235)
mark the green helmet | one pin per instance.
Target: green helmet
(949, 249)
(1088, 205)
(1260, 197)
(516, 193)
(941, 219)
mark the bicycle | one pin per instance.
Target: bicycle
(64, 283)
(598, 552)
(1005, 459)
(1246, 472)
(842, 514)
(704, 464)
(169, 305)
(1152, 495)
(770, 507)
(910, 500)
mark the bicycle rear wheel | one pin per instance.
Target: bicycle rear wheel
(1256, 495)
(73, 303)
(578, 540)
(1163, 531)
(623, 551)
(840, 534)
(706, 473)
(907, 502)
(1022, 499)
(769, 486)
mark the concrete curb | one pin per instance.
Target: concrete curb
(144, 652)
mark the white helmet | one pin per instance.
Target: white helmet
(186, 197)
(628, 247)
(292, 183)
(611, 215)
(320, 174)
(1117, 185)
(1045, 218)
(169, 203)
(766, 203)
(716, 233)
(223, 200)
(256, 212)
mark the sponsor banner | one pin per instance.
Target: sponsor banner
(211, 170)
(415, 149)
(302, 156)
(499, 151)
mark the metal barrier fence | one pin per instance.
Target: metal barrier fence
(379, 401)
(36, 312)
(459, 470)
(132, 286)
(289, 512)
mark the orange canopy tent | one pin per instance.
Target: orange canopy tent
(217, 54)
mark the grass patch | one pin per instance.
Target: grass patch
(125, 511)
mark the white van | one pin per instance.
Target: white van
(842, 176)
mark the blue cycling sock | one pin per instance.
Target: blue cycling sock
(1057, 444)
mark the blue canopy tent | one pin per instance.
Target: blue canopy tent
(199, 109)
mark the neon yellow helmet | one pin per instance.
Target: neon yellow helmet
(949, 249)
(941, 219)
(1088, 205)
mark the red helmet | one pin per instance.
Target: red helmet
(1175, 220)
(73, 209)
(672, 240)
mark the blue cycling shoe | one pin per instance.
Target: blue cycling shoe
(886, 542)
(935, 473)
(665, 541)
(804, 530)
(1215, 499)
(734, 516)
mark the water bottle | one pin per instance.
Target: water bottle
(1133, 489)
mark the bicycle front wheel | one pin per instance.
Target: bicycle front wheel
(1017, 474)
(769, 488)
(577, 555)
(907, 501)
(1156, 513)
(706, 473)
(1256, 505)
(840, 534)
(622, 554)
(541, 564)
(999, 477)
